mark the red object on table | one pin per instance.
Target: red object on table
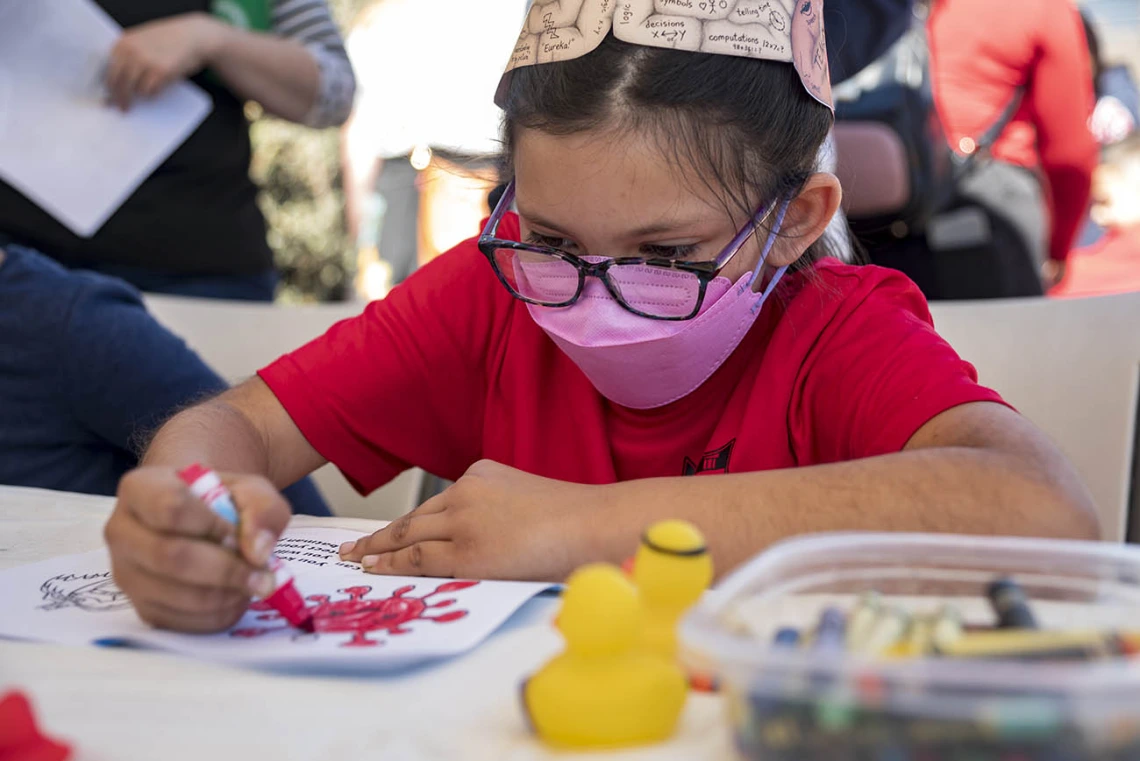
(20, 738)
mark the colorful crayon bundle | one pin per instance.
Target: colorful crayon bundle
(824, 713)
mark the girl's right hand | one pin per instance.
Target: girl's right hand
(183, 566)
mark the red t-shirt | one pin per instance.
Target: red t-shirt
(981, 51)
(450, 369)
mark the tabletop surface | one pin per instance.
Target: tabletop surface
(130, 704)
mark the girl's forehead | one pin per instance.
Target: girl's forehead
(605, 168)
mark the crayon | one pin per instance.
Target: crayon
(863, 619)
(924, 634)
(1020, 644)
(830, 632)
(885, 632)
(781, 733)
(767, 697)
(872, 689)
(1009, 603)
(1021, 718)
(900, 650)
(702, 682)
(773, 724)
(285, 599)
(947, 627)
(786, 637)
(916, 642)
(920, 634)
(836, 711)
(1128, 643)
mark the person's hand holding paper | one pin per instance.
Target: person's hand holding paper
(148, 57)
(60, 144)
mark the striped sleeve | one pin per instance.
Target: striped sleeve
(310, 23)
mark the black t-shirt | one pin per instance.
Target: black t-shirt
(196, 215)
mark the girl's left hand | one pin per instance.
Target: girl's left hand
(494, 523)
(150, 56)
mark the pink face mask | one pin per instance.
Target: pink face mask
(643, 363)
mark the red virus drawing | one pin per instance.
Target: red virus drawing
(360, 616)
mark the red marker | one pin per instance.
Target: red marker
(285, 599)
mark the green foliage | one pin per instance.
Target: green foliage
(298, 170)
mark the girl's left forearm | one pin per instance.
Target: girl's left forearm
(278, 73)
(978, 468)
(952, 489)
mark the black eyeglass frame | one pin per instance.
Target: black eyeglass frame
(705, 271)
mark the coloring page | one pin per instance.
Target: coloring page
(362, 620)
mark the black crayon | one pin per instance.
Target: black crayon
(1010, 605)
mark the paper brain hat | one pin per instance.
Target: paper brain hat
(776, 30)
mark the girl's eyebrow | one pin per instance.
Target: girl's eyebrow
(657, 228)
(538, 219)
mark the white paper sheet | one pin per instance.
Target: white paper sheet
(61, 145)
(364, 622)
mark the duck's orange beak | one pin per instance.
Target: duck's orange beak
(627, 567)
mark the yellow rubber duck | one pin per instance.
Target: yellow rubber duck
(671, 570)
(603, 691)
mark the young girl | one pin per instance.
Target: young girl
(659, 308)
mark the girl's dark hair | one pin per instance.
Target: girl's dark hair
(747, 127)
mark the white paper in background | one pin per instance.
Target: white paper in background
(61, 145)
(364, 622)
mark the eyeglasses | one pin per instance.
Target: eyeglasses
(657, 288)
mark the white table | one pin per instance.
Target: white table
(125, 705)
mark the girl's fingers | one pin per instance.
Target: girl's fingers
(432, 558)
(157, 613)
(401, 533)
(159, 500)
(182, 560)
(264, 516)
(185, 599)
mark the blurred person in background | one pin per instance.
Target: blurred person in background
(418, 151)
(1117, 108)
(858, 33)
(1032, 56)
(1116, 113)
(193, 228)
(86, 375)
(1112, 264)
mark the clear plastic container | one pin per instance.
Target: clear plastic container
(796, 705)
